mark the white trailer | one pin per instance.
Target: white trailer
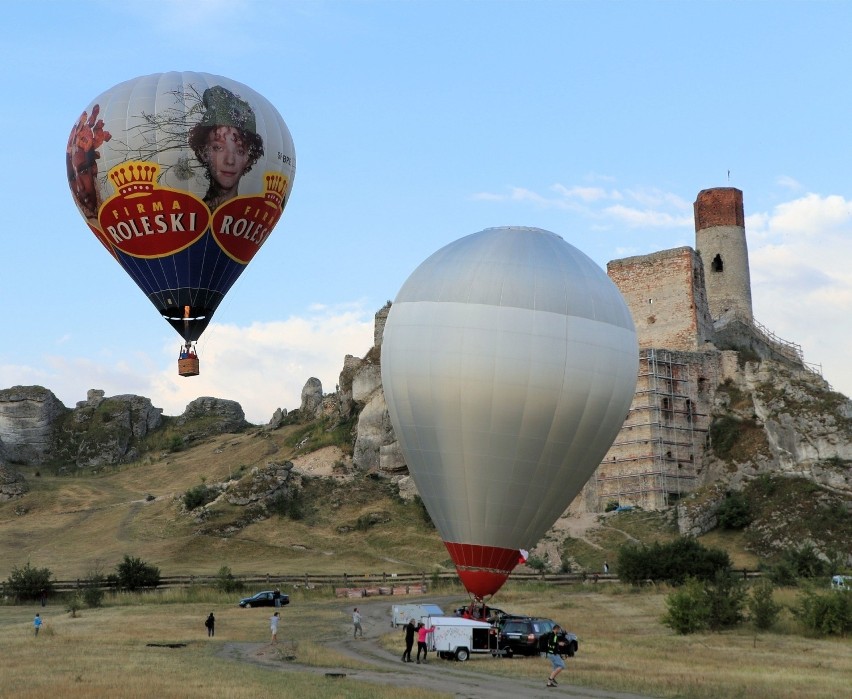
(456, 637)
(401, 614)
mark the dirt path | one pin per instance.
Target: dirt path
(468, 680)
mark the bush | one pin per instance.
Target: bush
(226, 582)
(29, 583)
(762, 608)
(783, 574)
(827, 614)
(290, 503)
(726, 598)
(134, 574)
(805, 562)
(93, 594)
(688, 608)
(199, 496)
(734, 512)
(671, 562)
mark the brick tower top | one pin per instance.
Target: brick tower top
(721, 206)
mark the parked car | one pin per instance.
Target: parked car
(524, 635)
(263, 599)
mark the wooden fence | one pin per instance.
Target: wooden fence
(358, 584)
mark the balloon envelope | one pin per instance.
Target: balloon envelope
(181, 176)
(509, 362)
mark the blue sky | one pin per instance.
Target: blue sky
(416, 123)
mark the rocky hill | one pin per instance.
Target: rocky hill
(770, 420)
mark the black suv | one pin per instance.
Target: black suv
(525, 635)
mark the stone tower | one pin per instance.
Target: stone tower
(720, 239)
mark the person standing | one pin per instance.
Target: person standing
(37, 622)
(557, 663)
(276, 598)
(273, 626)
(410, 630)
(356, 623)
(606, 568)
(422, 633)
(210, 623)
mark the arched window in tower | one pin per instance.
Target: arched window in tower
(717, 265)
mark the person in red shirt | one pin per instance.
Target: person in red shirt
(422, 632)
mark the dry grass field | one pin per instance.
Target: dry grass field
(623, 647)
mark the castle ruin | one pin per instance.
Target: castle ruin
(693, 314)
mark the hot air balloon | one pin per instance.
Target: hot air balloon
(509, 362)
(182, 177)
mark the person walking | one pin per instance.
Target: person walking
(422, 633)
(410, 630)
(210, 623)
(356, 623)
(273, 626)
(557, 663)
(37, 622)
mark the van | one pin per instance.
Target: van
(401, 614)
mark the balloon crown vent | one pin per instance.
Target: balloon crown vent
(276, 184)
(134, 177)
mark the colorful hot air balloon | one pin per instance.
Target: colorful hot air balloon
(509, 362)
(182, 177)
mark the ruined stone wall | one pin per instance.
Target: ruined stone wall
(657, 456)
(666, 296)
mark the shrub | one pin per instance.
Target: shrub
(763, 610)
(726, 598)
(827, 614)
(93, 594)
(29, 583)
(134, 574)
(537, 564)
(671, 562)
(688, 608)
(734, 512)
(198, 496)
(805, 562)
(289, 503)
(226, 582)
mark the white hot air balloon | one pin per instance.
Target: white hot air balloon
(509, 362)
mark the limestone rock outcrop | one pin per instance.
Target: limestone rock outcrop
(228, 415)
(28, 416)
(12, 484)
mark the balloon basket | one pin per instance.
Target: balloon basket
(188, 366)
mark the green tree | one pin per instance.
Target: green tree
(226, 582)
(135, 574)
(29, 583)
(825, 614)
(726, 598)
(688, 608)
(672, 562)
(762, 607)
(734, 512)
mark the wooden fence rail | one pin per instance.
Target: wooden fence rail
(415, 582)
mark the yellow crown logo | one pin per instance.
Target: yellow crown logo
(134, 177)
(276, 186)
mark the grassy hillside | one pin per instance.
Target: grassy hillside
(69, 523)
(351, 523)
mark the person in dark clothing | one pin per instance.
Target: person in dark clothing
(555, 649)
(410, 630)
(210, 623)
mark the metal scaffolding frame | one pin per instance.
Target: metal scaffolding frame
(665, 468)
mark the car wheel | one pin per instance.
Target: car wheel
(462, 654)
(509, 652)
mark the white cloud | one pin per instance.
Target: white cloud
(788, 183)
(263, 366)
(801, 280)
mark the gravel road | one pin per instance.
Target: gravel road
(469, 680)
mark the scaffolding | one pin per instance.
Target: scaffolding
(654, 459)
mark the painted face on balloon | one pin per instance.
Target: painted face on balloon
(227, 157)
